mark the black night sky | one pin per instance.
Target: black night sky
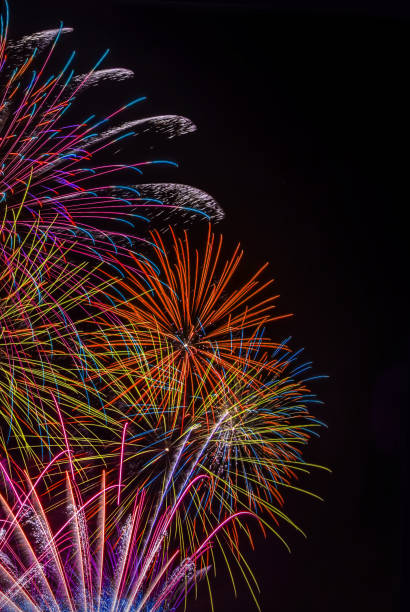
(301, 113)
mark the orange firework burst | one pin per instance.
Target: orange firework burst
(181, 315)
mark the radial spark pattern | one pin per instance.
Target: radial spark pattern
(72, 188)
(66, 561)
(182, 316)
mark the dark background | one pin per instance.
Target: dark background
(301, 112)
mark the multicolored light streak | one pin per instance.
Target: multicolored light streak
(188, 365)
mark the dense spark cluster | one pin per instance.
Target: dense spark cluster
(70, 564)
(148, 418)
(42, 356)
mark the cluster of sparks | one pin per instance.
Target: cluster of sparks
(72, 564)
(147, 417)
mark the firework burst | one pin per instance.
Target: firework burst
(68, 562)
(199, 383)
(69, 189)
(171, 415)
(248, 435)
(181, 316)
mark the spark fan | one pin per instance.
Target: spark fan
(68, 562)
(72, 188)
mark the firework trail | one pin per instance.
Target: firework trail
(68, 562)
(70, 189)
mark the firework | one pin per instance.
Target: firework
(181, 315)
(190, 367)
(248, 435)
(69, 188)
(68, 562)
(171, 414)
